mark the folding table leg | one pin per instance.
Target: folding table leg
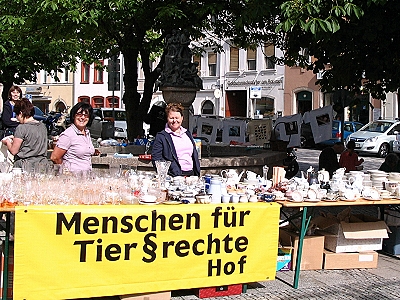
(303, 230)
(6, 255)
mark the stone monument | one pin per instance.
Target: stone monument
(178, 79)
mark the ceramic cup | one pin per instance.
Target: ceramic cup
(297, 196)
(235, 198)
(268, 197)
(226, 198)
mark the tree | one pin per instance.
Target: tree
(95, 29)
(137, 29)
(29, 45)
(355, 42)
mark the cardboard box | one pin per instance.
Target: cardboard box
(313, 249)
(148, 296)
(226, 290)
(392, 244)
(284, 258)
(361, 233)
(356, 260)
(10, 271)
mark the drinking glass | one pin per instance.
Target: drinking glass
(162, 167)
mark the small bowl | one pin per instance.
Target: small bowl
(203, 199)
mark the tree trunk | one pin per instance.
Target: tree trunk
(137, 106)
(131, 97)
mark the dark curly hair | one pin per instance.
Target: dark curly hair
(82, 107)
(25, 107)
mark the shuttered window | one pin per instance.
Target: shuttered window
(197, 58)
(251, 59)
(269, 53)
(212, 64)
(234, 59)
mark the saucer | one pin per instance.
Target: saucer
(372, 199)
(311, 200)
(171, 202)
(330, 200)
(348, 200)
(148, 203)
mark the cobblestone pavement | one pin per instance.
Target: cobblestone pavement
(309, 157)
(380, 283)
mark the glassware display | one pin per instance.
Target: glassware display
(162, 167)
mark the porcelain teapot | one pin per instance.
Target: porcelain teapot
(231, 176)
(323, 176)
(356, 180)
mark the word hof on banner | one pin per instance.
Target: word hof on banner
(138, 248)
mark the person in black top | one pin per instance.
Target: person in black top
(156, 118)
(8, 116)
(391, 163)
(328, 158)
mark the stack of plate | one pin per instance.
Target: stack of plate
(394, 176)
(378, 178)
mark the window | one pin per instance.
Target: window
(98, 101)
(212, 64)
(304, 101)
(265, 106)
(45, 74)
(207, 108)
(269, 53)
(197, 61)
(66, 77)
(85, 71)
(251, 59)
(234, 59)
(98, 73)
(110, 101)
(85, 99)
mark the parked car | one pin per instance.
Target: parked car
(376, 137)
(349, 128)
(39, 114)
(102, 124)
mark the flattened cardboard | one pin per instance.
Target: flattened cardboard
(365, 230)
(361, 233)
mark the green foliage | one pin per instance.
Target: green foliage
(353, 37)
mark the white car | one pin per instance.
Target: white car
(376, 137)
(103, 117)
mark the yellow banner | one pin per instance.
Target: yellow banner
(64, 252)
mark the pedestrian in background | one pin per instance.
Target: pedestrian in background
(349, 158)
(328, 158)
(8, 116)
(391, 163)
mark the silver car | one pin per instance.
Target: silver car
(377, 137)
(103, 118)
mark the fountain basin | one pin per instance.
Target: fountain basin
(221, 158)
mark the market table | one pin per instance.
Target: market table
(74, 251)
(303, 206)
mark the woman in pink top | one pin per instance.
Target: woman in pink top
(74, 147)
(176, 144)
(349, 159)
